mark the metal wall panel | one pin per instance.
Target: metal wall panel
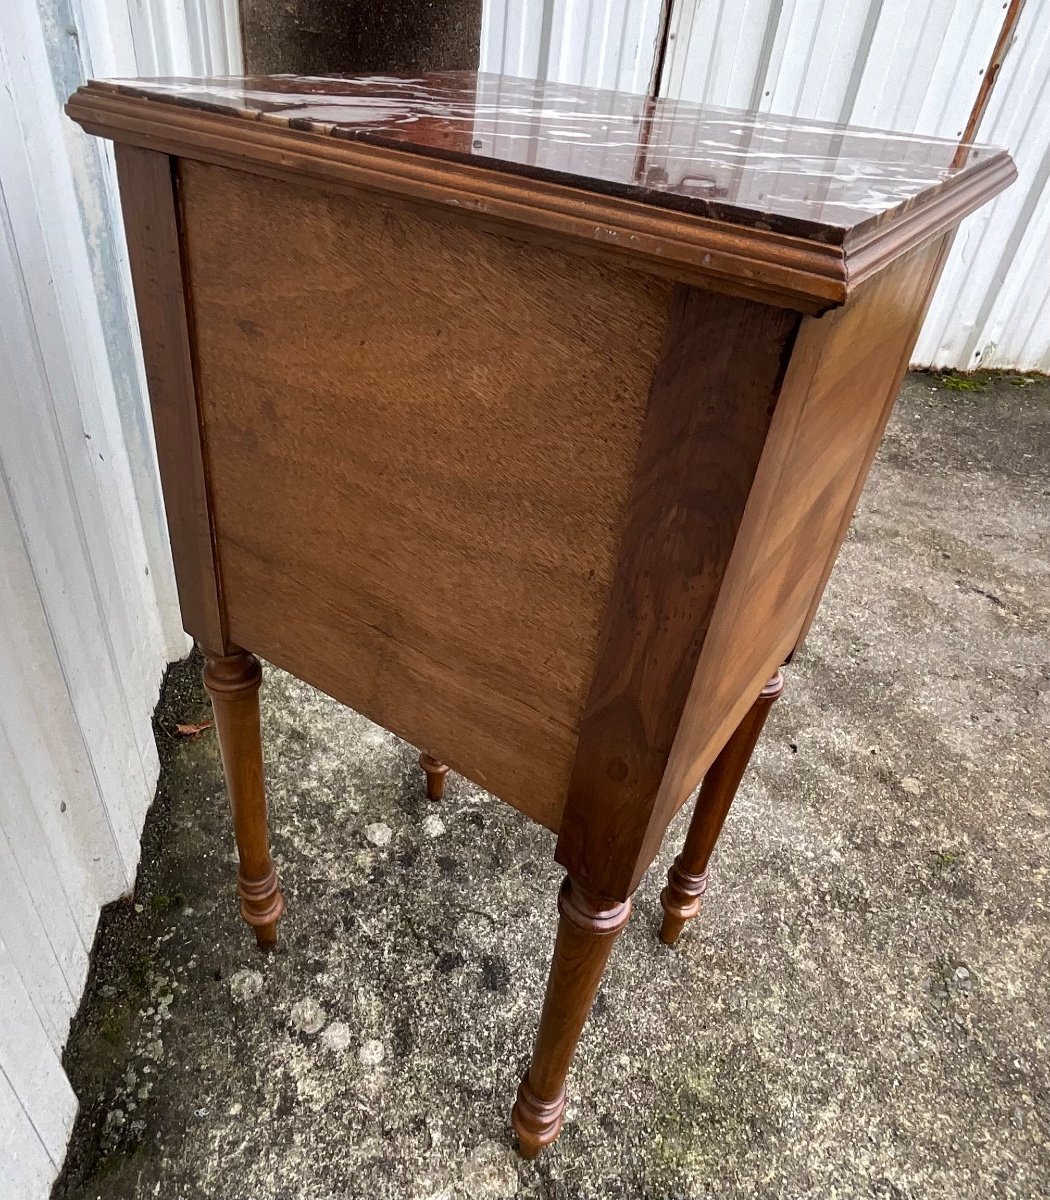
(891, 64)
(992, 308)
(910, 65)
(88, 610)
(600, 43)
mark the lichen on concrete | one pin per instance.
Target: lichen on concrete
(861, 1010)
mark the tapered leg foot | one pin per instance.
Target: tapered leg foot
(587, 929)
(436, 772)
(261, 905)
(232, 682)
(536, 1122)
(682, 898)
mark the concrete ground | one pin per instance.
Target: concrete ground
(861, 1011)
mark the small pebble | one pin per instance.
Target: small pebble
(963, 979)
(379, 834)
(308, 1016)
(433, 826)
(336, 1037)
(912, 785)
(245, 985)
(371, 1053)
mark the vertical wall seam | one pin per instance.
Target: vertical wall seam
(765, 54)
(1007, 256)
(860, 63)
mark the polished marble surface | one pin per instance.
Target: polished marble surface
(815, 180)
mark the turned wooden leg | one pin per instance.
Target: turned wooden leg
(233, 685)
(687, 878)
(436, 772)
(586, 931)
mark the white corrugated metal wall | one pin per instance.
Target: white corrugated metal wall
(88, 612)
(992, 307)
(909, 65)
(608, 44)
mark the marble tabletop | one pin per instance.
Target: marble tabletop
(817, 180)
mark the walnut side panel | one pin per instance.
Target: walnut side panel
(845, 371)
(150, 220)
(945, 244)
(421, 439)
(710, 407)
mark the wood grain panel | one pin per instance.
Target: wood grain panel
(150, 221)
(875, 439)
(712, 399)
(422, 439)
(845, 367)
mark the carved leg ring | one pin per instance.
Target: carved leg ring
(233, 685)
(436, 772)
(687, 878)
(586, 931)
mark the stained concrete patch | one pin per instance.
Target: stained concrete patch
(371, 1053)
(308, 1016)
(245, 985)
(379, 834)
(336, 1037)
(861, 1010)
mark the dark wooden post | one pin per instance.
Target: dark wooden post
(687, 878)
(233, 683)
(436, 772)
(586, 931)
(319, 37)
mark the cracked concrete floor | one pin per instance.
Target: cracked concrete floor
(861, 1011)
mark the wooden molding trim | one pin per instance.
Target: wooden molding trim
(869, 252)
(792, 271)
